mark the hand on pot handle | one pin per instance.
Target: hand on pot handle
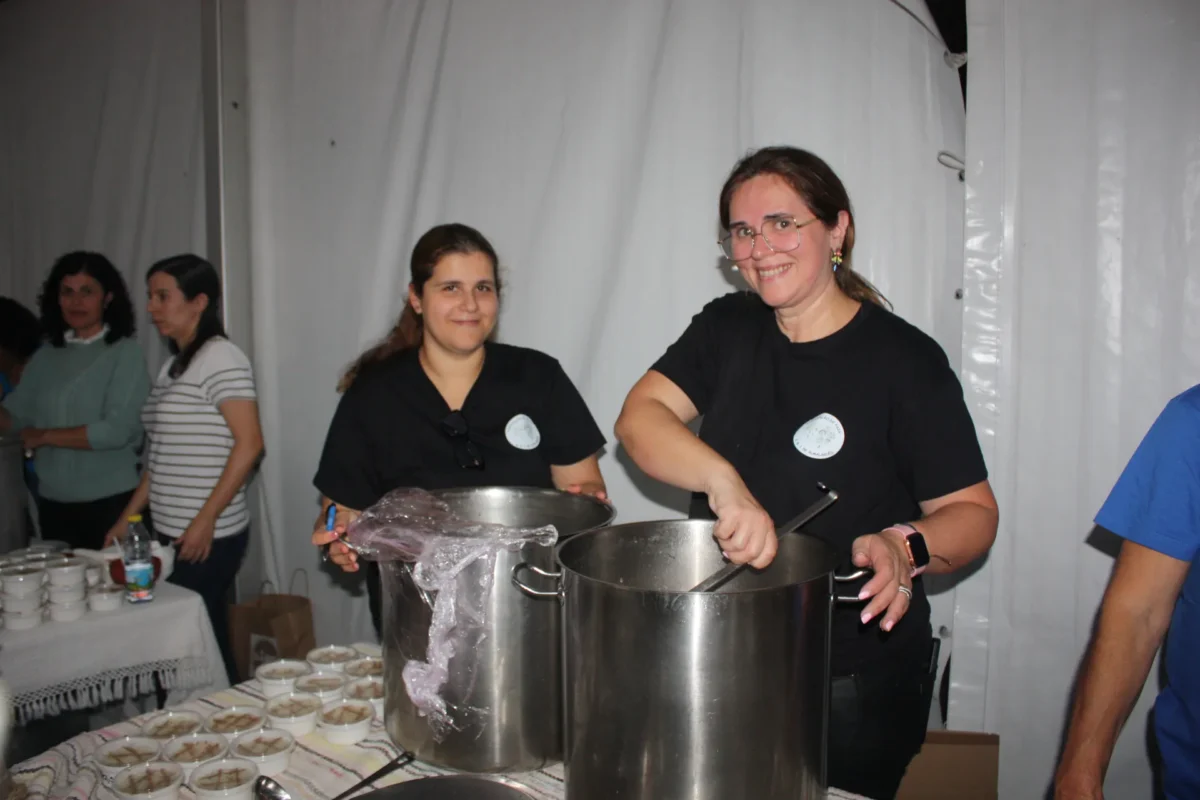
(891, 586)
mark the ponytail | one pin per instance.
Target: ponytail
(405, 335)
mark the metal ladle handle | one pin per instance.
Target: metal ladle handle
(730, 571)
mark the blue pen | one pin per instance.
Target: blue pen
(330, 516)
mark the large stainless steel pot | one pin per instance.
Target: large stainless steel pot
(704, 696)
(515, 680)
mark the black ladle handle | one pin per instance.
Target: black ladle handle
(396, 763)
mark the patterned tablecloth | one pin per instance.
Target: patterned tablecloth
(114, 655)
(317, 770)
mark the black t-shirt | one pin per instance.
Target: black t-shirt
(522, 415)
(873, 410)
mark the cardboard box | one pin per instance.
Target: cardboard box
(954, 765)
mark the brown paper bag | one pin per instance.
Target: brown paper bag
(271, 627)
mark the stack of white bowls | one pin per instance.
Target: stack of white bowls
(24, 595)
(67, 582)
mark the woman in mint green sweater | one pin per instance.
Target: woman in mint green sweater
(79, 402)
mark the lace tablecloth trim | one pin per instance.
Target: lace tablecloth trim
(112, 685)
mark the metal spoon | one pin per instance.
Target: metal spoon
(730, 571)
(268, 789)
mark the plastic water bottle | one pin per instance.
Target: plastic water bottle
(139, 562)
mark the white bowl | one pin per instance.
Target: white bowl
(68, 594)
(106, 598)
(327, 686)
(128, 751)
(158, 780)
(194, 749)
(46, 546)
(170, 724)
(368, 649)
(370, 689)
(331, 658)
(226, 779)
(28, 602)
(294, 712)
(93, 574)
(235, 720)
(367, 667)
(23, 620)
(67, 612)
(346, 722)
(42, 558)
(279, 677)
(66, 571)
(269, 750)
(22, 580)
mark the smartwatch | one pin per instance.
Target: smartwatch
(914, 542)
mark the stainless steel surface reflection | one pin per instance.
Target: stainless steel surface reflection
(452, 787)
(518, 674)
(671, 694)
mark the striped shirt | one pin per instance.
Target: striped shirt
(190, 441)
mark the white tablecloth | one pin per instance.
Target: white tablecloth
(114, 655)
(317, 769)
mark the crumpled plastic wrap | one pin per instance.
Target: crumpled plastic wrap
(411, 530)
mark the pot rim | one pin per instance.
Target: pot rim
(827, 575)
(535, 490)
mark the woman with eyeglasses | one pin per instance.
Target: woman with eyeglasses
(809, 378)
(437, 405)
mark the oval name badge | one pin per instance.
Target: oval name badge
(522, 433)
(820, 437)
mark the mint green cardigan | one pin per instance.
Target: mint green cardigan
(100, 385)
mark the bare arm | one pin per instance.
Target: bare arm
(653, 429)
(242, 418)
(1134, 618)
(583, 477)
(136, 505)
(959, 527)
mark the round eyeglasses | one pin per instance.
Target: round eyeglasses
(781, 233)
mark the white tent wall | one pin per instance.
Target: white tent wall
(589, 141)
(101, 139)
(1083, 319)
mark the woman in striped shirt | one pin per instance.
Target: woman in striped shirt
(205, 438)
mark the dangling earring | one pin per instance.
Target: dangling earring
(837, 259)
(735, 267)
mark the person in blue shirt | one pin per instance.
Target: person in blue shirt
(1154, 592)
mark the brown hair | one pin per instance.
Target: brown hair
(821, 190)
(408, 332)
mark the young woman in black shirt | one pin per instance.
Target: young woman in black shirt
(439, 406)
(809, 377)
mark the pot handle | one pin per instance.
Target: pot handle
(529, 590)
(853, 576)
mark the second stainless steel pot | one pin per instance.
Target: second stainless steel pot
(514, 678)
